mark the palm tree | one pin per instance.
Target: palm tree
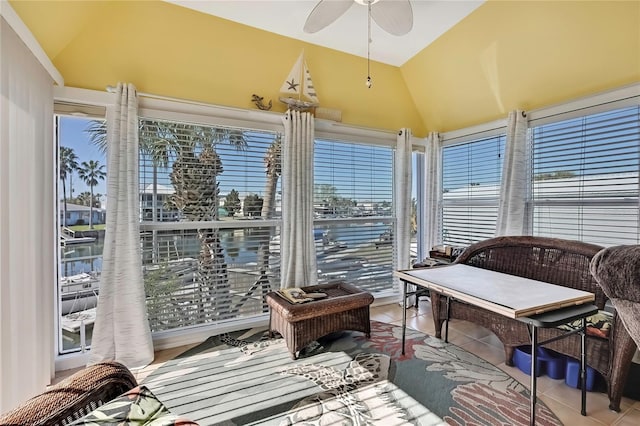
(273, 166)
(194, 177)
(273, 169)
(190, 151)
(68, 163)
(90, 172)
(97, 132)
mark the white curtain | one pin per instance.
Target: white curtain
(512, 215)
(121, 331)
(433, 185)
(27, 222)
(402, 199)
(297, 247)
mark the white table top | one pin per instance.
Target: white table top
(505, 294)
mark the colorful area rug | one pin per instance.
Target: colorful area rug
(246, 378)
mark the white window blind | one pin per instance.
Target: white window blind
(354, 224)
(205, 241)
(471, 174)
(585, 177)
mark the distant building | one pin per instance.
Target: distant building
(79, 215)
(165, 212)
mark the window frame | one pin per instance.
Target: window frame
(65, 107)
(163, 108)
(379, 140)
(478, 133)
(623, 97)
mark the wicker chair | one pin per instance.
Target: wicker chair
(74, 397)
(557, 261)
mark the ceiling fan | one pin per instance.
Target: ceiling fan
(393, 16)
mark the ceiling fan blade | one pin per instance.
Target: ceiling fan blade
(325, 12)
(393, 16)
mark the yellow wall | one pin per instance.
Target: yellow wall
(173, 51)
(524, 54)
(504, 55)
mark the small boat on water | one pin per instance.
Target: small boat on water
(66, 240)
(322, 242)
(78, 292)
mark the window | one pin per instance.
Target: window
(585, 177)
(471, 173)
(354, 223)
(81, 218)
(210, 211)
(205, 202)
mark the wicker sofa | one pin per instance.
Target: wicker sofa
(558, 261)
(74, 397)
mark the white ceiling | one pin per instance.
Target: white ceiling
(349, 32)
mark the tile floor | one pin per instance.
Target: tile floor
(563, 400)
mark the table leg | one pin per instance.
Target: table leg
(583, 367)
(446, 323)
(404, 312)
(534, 361)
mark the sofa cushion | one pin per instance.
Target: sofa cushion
(617, 270)
(139, 406)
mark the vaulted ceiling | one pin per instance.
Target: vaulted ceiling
(348, 33)
(501, 56)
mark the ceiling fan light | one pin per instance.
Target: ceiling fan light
(366, 2)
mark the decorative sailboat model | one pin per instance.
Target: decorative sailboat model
(298, 88)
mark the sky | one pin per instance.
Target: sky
(72, 135)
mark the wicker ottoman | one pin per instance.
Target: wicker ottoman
(344, 308)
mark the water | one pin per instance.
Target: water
(355, 234)
(240, 246)
(79, 258)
